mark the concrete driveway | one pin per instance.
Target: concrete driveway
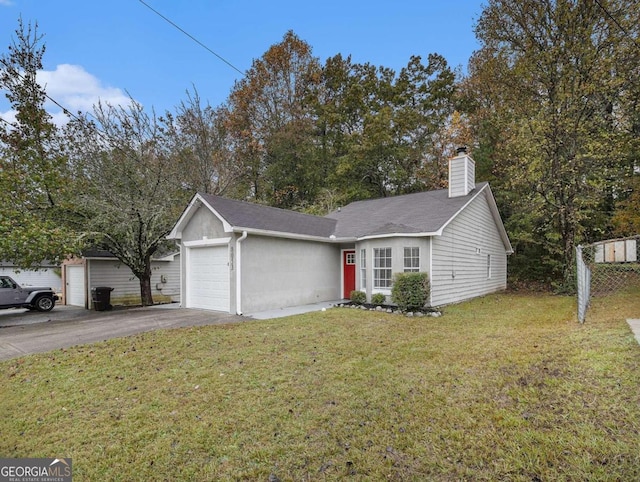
(23, 332)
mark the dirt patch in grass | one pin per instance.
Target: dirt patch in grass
(506, 387)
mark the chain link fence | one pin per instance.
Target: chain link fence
(605, 268)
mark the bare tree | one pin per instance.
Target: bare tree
(202, 147)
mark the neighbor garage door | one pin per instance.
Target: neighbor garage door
(208, 278)
(41, 277)
(75, 286)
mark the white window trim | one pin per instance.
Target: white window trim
(363, 269)
(384, 291)
(381, 289)
(410, 269)
(352, 256)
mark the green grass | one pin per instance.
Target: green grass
(506, 387)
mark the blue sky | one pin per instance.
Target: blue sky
(106, 49)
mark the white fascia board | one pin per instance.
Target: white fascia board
(227, 227)
(396, 235)
(498, 220)
(440, 231)
(169, 257)
(187, 214)
(281, 234)
(176, 232)
(493, 207)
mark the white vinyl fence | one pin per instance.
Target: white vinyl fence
(605, 268)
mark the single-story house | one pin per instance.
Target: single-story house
(243, 257)
(99, 268)
(44, 274)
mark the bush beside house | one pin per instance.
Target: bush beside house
(410, 291)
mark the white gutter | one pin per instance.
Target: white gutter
(284, 234)
(239, 272)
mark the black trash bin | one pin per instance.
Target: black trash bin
(101, 297)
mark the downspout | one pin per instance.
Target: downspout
(239, 272)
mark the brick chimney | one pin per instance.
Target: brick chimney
(462, 174)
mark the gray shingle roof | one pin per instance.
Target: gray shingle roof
(241, 214)
(424, 212)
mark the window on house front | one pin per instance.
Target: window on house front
(382, 268)
(411, 260)
(363, 269)
(488, 266)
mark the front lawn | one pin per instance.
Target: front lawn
(506, 387)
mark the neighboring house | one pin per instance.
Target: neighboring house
(45, 274)
(243, 257)
(98, 268)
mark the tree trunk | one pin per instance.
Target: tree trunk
(145, 285)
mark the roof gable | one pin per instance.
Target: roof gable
(423, 212)
(245, 215)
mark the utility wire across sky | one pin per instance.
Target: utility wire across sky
(192, 37)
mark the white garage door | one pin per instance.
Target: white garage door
(42, 277)
(208, 278)
(75, 286)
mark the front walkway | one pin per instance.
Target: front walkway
(293, 310)
(635, 327)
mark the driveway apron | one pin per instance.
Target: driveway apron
(23, 333)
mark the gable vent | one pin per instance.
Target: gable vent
(462, 174)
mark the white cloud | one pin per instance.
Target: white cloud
(59, 118)
(78, 90)
(73, 88)
(9, 116)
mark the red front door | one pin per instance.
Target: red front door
(349, 273)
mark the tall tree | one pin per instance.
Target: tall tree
(383, 128)
(33, 167)
(131, 196)
(272, 123)
(550, 81)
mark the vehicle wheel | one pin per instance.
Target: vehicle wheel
(44, 303)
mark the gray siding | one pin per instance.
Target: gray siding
(279, 272)
(397, 245)
(126, 287)
(461, 176)
(459, 260)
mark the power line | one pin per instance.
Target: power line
(192, 38)
(615, 20)
(83, 122)
(64, 109)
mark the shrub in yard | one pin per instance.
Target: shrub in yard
(358, 297)
(378, 299)
(410, 291)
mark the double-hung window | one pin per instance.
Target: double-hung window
(363, 269)
(382, 268)
(411, 260)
